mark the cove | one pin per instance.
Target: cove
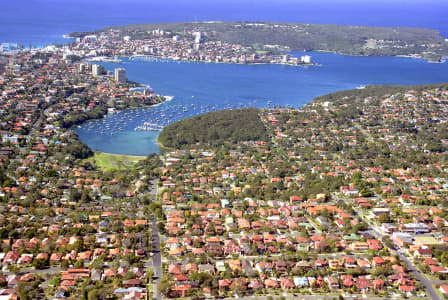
(199, 88)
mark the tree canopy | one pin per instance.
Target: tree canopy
(215, 128)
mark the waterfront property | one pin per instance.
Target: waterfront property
(210, 87)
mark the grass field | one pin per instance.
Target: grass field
(107, 161)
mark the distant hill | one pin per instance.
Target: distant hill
(215, 128)
(350, 40)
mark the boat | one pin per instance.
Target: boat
(146, 128)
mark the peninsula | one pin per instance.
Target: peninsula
(251, 42)
(347, 196)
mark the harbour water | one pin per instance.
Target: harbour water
(43, 22)
(199, 88)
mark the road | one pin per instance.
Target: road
(157, 256)
(427, 284)
(156, 259)
(41, 272)
(309, 297)
(36, 125)
(50, 270)
(273, 140)
(366, 133)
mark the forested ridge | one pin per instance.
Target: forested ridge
(215, 128)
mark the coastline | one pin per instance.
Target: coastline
(129, 108)
(105, 115)
(443, 60)
(313, 64)
(164, 148)
(214, 62)
(103, 59)
(115, 154)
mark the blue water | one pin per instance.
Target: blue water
(199, 87)
(210, 87)
(41, 22)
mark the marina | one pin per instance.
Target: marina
(153, 118)
(146, 123)
(105, 59)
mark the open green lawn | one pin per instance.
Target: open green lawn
(107, 161)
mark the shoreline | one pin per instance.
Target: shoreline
(107, 113)
(163, 147)
(214, 62)
(103, 59)
(313, 64)
(115, 154)
(126, 109)
(443, 60)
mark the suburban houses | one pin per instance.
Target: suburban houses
(347, 197)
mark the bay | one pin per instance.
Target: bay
(198, 88)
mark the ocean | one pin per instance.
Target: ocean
(43, 22)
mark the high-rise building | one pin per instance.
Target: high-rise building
(82, 68)
(197, 39)
(8, 47)
(96, 70)
(305, 59)
(120, 75)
